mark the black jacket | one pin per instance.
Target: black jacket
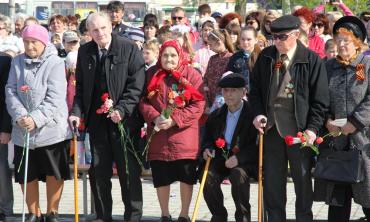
(5, 120)
(124, 73)
(311, 94)
(245, 135)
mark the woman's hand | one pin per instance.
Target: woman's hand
(27, 123)
(164, 124)
(331, 127)
(4, 138)
(348, 128)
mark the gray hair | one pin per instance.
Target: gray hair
(20, 16)
(94, 15)
(7, 23)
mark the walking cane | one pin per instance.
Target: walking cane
(75, 164)
(204, 177)
(260, 165)
(27, 147)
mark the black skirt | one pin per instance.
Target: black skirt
(165, 173)
(45, 161)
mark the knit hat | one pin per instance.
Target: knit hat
(136, 35)
(37, 32)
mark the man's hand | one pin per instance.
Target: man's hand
(258, 123)
(231, 162)
(207, 153)
(348, 128)
(115, 116)
(4, 138)
(71, 119)
(331, 127)
(311, 136)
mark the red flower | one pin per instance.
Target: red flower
(289, 140)
(278, 65)
(319, 140)
(236, 150)
(104, 97)
(303, 139)
(187, 95)
(220, 143)
(299, 134)
(82, 124)
(25, 88)
(179, 101)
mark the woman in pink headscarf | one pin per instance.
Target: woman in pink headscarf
(172, 107)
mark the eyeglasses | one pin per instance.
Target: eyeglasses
(177, 18)
(319, 25)
(281, 37)
(2, 28)
(251, 22)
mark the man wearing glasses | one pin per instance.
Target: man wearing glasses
(178, 18)
(289, 89)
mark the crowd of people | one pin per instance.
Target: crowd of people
(167, 97)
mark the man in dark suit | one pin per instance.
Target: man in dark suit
(6, 190)
(289, 89)
(232, 123)
(110, 64)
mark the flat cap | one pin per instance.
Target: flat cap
(285, 23)
(353, 24)
(232, 80)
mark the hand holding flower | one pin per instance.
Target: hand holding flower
(311, 136)
(331, 127)
(27, 123)
(164, 123)
(115, 116)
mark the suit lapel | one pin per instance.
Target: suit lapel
(222, 126)
(92, 53)
(238, 126)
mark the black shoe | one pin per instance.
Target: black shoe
(165, 219)
(52, 217)
(183, 219)
(33, 218)
(2, 217)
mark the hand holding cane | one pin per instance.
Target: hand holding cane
(75, 164)
(204, 177)
(260, 167)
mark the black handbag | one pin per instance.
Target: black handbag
(344, 166)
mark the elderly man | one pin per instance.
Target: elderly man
(110, 64)
(232, 123)
(289, 89)
(116, 13)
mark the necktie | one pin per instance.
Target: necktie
(103, 57)
(283, 68)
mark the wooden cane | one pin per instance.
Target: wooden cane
(204, 177)
(260, 166)
(75, 164)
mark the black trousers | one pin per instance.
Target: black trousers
(275, 168)
(239, 189)
(343, 213)
(106, 148)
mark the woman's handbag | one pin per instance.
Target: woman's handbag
(345, 166)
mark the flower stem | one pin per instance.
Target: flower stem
(121, 129)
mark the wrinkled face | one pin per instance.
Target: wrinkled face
(331, 52)
(100, 30)
(233, 96)
(149, 56)
(284, 41)
(305, 26)
(33, 48)
(149, 32)
(116, 16)
(346, 46)
(247, 40)
(19, 25)
(57, 26)
(178, 18)
(169, 58)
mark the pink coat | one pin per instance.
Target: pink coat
(182, 140)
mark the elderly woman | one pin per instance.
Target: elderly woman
(349, 84)
(8, 41)
(36, 101)
(173, 104)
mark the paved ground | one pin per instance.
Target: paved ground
(151, 206)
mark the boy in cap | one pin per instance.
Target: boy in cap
(289, 89)
(137, 36)
(232, 124)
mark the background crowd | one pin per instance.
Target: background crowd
(170, 85)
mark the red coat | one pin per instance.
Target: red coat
(182, 140)
(317, 44)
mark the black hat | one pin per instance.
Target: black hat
(285, 23)
(353, 24)
(232, 80)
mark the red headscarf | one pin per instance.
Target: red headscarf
(158, 77)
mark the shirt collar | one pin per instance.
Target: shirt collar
(106, 46)
(291, 52)
(237, 112)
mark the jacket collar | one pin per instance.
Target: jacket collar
(358, 60)
(113, 48)
(300, 56)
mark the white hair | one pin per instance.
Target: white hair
(94, 15)
(20, 16)
(7, 23)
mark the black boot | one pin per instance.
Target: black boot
(52, 217)
(33, 218)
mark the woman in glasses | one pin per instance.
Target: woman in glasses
(266, 22)
(348, 76)
(320, 26)
(252, 20)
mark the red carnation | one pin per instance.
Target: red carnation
(104, 97)
(319, 140)
(299, 134)
(303, 139)
(179, 101)
(220, 143)
(187, 95)
(25, 88)
(289, 140)
(236, 150)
